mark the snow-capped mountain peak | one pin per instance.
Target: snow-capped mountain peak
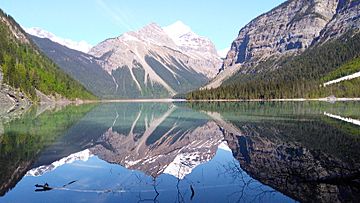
(82, 45)
(177, 29)
(154, 34)
(189, 41)
(194, 45)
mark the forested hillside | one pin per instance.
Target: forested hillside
(25, 68)
(82, 67)
(297, 77)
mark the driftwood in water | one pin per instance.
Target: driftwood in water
(46, 187)
(43, 188)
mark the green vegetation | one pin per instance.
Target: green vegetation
(303, 123)
(25, 68)
(23, 139)
(296, 77)
(346, 69)
(260, 111)
(347, 88)
(87, 72)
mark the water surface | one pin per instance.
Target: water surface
(183, 152)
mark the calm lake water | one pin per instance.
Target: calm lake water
(183, 152)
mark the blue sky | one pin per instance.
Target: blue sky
(97, 20)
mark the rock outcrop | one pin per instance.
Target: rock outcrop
(13, 103)
(347, 18)
(287, 30)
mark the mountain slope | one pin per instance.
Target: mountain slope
(82, 67)
(23, 67)
(286, 30)
(289, 28)
(196, 46)
(285, 52)
(148, 64)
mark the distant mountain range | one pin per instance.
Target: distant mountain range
(79, 46)
(288, 52)
(293, 51)
(152, 62)
(26, 73)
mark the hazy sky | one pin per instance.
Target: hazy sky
(97, 20)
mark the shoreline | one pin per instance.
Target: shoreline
(79, 102)
(22, 106)
(215, 100)
(277, 100)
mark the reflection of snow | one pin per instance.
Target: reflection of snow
(39, 171)
(224, 146)
(349, 120)
(184, 163)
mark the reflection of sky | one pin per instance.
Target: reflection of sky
(215, 181)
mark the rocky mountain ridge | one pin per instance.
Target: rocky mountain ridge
(153, 62)
(79, 46)
(287, 30)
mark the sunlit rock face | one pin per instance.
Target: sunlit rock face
(270, 155)
(285, 31)
(158, 62)
(289, 28)
(347, 19)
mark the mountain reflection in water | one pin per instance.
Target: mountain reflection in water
(201, 152)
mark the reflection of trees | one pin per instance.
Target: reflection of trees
(292, 147)
(275, 154)
(247, 187)
(24, 138)
(154, 183)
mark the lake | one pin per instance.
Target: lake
(183, 152)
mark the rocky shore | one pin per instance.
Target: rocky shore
(13, 103)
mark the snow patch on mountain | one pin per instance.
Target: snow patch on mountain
(189, 41)
(79, 156)
(176, 31)
(82, 45)
(196, 46)
(223, 52)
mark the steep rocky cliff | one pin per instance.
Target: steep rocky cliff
(287, 30)
(347, 18)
